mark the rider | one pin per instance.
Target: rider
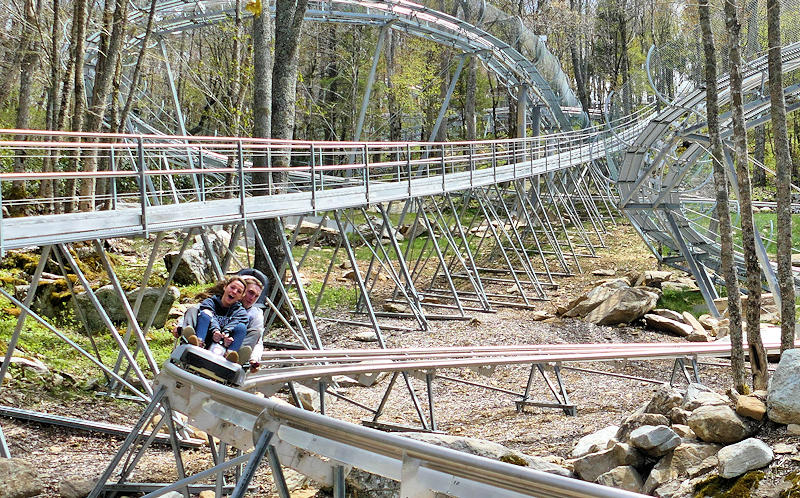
(224, 318)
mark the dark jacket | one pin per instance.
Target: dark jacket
(222, 318)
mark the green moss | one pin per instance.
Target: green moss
(719, 487)
(514, 460)
(26, 261)
(794, 490)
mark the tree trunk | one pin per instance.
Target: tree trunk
(288, 23)
(471, 83)
(79, 18)
(105, 68)
(46, 186)
(723, 212)
(759, 150)
(262, 113)
(758, 356)
(395, 117)
(137, 70)
(783, 174)
(30, 48)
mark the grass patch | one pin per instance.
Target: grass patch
(334, 296)
(681, 301)
(767, 227)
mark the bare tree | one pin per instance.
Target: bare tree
(783, 173)
(137, 70)
(30, 47)
(262, 121)
(723, 211)
(80, 17)
(758, 356)
(105, 68)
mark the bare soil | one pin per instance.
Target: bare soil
(59, 453)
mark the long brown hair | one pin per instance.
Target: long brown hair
(219, 287)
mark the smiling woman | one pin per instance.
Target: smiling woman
(221, 321)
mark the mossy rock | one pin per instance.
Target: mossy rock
(741, 487)
(794, 490)
(514, 460)
(21, 260)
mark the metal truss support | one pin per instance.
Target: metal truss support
(157, 414)
(465, 259)
(4, 451)
(359, 281)
(696, 268)
(402, 282)
(411, 289)
(370, 80)
(106, 320)
(93, 358)
(312, 324)
(680, 366)
(178, 110)
(560, 394)
(280, 288)
(262, 447)
(761, 252)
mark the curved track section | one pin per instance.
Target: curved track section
(665, 173)
(511, 67)
(326, 449)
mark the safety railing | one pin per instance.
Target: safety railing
(51, 173)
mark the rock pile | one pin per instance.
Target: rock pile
(703, 329)
(682, 438)
(613, 301)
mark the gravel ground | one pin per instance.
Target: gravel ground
(601, 400)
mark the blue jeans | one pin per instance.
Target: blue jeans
(238, 333)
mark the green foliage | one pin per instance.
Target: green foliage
(681, 301)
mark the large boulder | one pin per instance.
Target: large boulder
(664, 400)
(623, 306)
(590, 467)
(698, 395)
(76, 487)
(661, 473)
(112, 305)
(751, 406)
(623, 477)
(18, 479)
(783, 396)
(736, 459)
(675, 467)
(592, 299)
(595, 441)
(636, 420)
(655, 440)
(193, 267)
(719, 424)
(688, 457)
